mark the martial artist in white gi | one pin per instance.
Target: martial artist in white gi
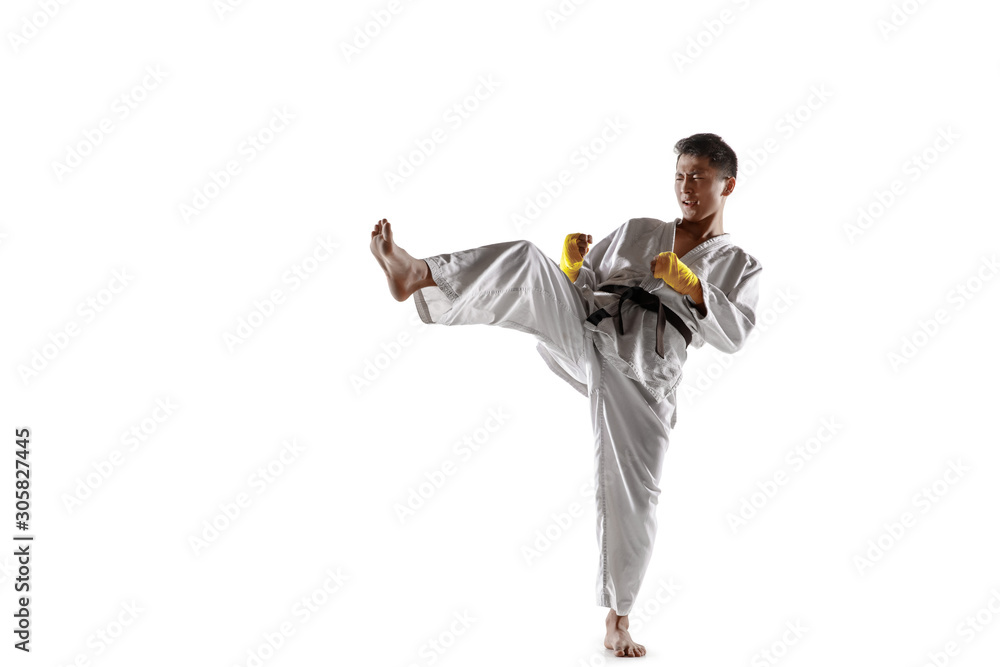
(614, 323)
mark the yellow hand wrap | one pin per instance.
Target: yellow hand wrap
(675, 273)
(571, 259)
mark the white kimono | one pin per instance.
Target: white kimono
(517, 285)
(729, 279)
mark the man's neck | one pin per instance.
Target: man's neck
(703, 229)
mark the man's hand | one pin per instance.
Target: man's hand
(578, 245)
(574, 248)
(678, 276)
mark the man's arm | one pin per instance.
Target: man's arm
(723, 314)
(725, 319)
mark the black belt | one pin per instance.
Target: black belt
(649, 302)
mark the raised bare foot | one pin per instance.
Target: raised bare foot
(405, 274)
(618, 639)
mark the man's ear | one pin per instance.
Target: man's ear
(730, 186)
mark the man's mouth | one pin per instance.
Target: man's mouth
(689, 202)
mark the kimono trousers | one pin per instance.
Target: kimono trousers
(631, 388)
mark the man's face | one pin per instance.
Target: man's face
(698, 188)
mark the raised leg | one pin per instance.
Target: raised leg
(513, 285)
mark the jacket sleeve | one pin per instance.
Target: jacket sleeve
(598, 259)
(730, 305)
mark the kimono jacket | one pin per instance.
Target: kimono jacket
(729, 279)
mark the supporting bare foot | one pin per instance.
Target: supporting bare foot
(405, 274)
(618, 639)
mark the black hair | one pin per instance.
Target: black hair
(720, 155)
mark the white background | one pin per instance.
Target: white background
(834, 306)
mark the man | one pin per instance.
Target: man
(614, 322)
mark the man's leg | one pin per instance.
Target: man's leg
(631, 436)
(511, 284)
(517, 286)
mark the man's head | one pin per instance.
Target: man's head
(705, 175)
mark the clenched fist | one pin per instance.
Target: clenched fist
(674, 273)
(574, 248)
